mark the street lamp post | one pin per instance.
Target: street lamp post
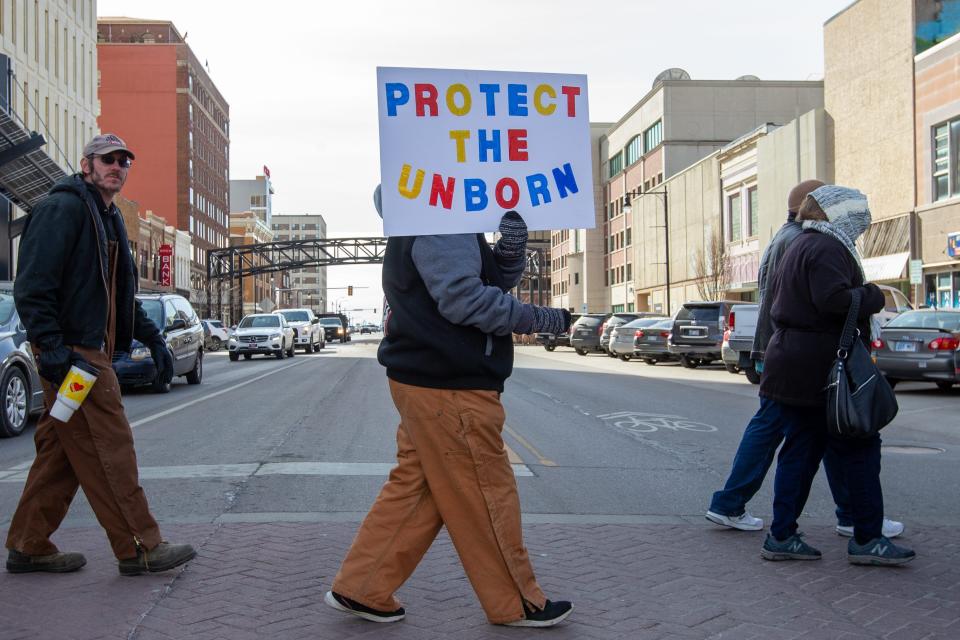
(627, 209)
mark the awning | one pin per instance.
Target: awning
(886, 268)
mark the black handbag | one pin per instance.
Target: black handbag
(860, 402)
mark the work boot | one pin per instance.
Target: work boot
(163, 557)
(58, 562)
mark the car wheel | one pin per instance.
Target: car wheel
(581, 352)
(752, 374)
(549, 347)
(611, 354)
(944, 386)
(321, 345)
(215, 343)
(689, 363)
(247, 356)
(291, 351)
(234, 357)
(280, 355)
(15, 410)
(160, 387)
(625, 358)
(650, 361)
(195, 376)
(731, 368)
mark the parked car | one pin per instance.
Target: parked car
(623, 339)
(333, 329)
(307, 332)
(263, 333)
(894, 303)
(216, 334)
(585, 333)
(650, 343)
(615, 320)
(738, 340)
(551, 341)
(20, 385)
(698, 332)
(921, 345)
(183, 333)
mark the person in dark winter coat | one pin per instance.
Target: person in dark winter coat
(75, 291)
(812, 292)
(448, 349)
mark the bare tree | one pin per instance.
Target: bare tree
(711, 268)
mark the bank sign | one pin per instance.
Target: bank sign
(458, 148)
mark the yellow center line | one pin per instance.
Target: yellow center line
(541, 459)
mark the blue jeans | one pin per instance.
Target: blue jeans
(805, 441)
(754, 456)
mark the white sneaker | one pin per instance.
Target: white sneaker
(891, 529)
(743, 522)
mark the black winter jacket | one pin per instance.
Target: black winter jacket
(811, 294)
(61, 289)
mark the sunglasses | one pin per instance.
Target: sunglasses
(123, 160)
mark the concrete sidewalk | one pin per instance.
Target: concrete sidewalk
(645, 581)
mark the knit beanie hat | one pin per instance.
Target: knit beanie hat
(799, 192)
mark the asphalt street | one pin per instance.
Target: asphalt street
(594, 440)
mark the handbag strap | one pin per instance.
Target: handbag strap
(850, 326)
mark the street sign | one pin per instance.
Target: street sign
(166, 265)
(267, 305)
(916, 272)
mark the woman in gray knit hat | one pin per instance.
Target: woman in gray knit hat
(811, 292)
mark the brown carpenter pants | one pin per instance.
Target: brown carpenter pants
(94, 450)
(452, 470)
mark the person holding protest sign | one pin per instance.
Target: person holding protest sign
(447, 349)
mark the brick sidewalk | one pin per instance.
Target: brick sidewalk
(254, 580)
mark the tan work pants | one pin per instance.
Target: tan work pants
(452, 470)
(94, 450)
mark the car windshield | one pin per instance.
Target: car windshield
(296, 316)
(253, 322)
(664, 324)
(643, 322)
(926, 320)
(154, 311)
(618, 320)
(216, 323)
(699, 314)
(330, 322)
(589, 321)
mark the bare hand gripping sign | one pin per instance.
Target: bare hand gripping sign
(458, 148)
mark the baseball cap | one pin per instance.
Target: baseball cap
(106, 143)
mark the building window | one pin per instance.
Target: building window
(946, 169)
(629, 271)
(634, 150)
(753, 205)
(629, 236)
(576, 278)
(653, 136)
(616, 164)
(733, 218)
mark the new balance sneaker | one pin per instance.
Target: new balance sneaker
(345, 604)
(879, 551)
(793, 548)
(891, 529)
(743, 522)
(58, 562)
(551, 614)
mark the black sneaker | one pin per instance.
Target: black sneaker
(879, 551)
(551, 614)
(793, 548)
(345, 604)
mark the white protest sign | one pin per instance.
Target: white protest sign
(458, 148)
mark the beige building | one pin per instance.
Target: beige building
(246, 227)
(306, 287)
(50, 48)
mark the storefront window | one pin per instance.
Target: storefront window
(943, 290)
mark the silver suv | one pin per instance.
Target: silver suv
(264, 333)
(307, 332)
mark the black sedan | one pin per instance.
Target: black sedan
(922, 345)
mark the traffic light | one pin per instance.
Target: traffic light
(350, 290)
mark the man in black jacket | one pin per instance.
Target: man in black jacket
(75, 291)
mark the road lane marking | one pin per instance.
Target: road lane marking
(543, 460)
(213, 395)
(512, 455)
(246, 470)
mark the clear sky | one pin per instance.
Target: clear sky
(300, 75)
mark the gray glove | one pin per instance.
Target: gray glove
(513, 235)
(535, 319)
